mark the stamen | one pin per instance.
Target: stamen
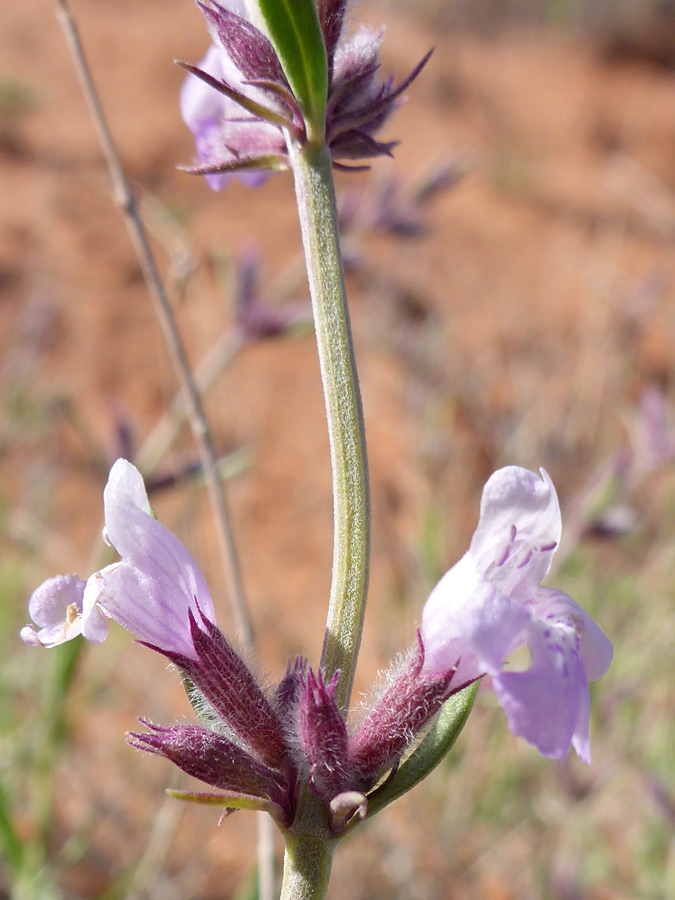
(505, 555)
(525, 560)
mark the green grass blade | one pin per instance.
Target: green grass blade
(12, 849)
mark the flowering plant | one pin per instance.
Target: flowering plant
(258, 749)
(283, 87)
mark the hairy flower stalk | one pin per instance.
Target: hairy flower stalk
(308, 860)
(351, 548)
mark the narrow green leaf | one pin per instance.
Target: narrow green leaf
(227, 799)
(270, 161)
(293, 27)
(430, 752)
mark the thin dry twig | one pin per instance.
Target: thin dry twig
(124, 198)
(169, 425)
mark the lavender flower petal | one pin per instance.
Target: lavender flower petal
(49, 601)
(468, 621)
(56, 606)
(595, 648)
(519, 527)
(157, 582)
(491, 602)
(548, 703)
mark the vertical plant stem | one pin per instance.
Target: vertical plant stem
(265, 853)
(307, 866)
(351, 500)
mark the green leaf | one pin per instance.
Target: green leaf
(293, 27)
(226, 799)
(270, 161)
(430, 752)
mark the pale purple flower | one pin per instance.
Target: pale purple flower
(492, 602)
(56, 606)
(150, 590)
(220, 125)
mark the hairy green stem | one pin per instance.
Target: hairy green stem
(315, 194)
(307, 865)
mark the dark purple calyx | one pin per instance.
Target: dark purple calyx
(229, 688)
(407, 705)
(331, 19)
(214, 759)
(322, 734)
(289, 688)
(356, 112)
(358, 100)
(249, 49)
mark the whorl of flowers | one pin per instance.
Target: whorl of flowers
(242, 111)
(258, 746)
